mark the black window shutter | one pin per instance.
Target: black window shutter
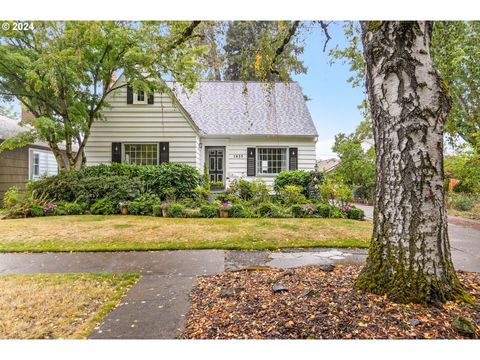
(116, 152)
(151, 99)
(164, 152)
(129, 95)
(292, 158)
(251, 161)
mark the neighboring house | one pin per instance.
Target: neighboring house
(326, 165)
(19, 165)
(238, 129)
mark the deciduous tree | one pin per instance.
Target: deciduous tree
(62, 72)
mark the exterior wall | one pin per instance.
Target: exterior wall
(47, 163)
(15, 169)
(130, 123)
(236, 153)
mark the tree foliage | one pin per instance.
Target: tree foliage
(62, 72)
(357, 165)
(455, 52)
(251, 51)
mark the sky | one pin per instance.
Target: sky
(334, 102)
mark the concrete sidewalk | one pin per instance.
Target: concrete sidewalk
(156, 307)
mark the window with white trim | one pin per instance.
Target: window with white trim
(271, 161)
(43, 163)
(36, 165)
(139, 97)
(141, 154)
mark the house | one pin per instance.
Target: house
(326, 165)
(233, 129)
(22, 164)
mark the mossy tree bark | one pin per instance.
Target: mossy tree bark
(409, 258)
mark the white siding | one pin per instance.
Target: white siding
(236, 153)
(47, 164)
(128, 123)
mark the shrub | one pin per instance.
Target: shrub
(176, 210)
(209, 211)
(308, 209)
(173, 180)
(192, 213)
(462, 203)
(11, 197)
(50, 209)
(304, 210)
(65, 186)
(268, 209)
(238, 211)
(296, 211)
(121, 182)
(335, 191)
(18, 204)
(256, 189)
(37, 210)
(356, 214)
(299, 178)
(72, 208)
(143, 204)
(335, 212)
(323, 210)
(157, 210)
(291, 194)
(104, 206)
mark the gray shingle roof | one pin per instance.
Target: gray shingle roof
(247, 108)
(10, 127)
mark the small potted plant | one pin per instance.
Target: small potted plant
(225, 209)
(123, 206)
(164, 207)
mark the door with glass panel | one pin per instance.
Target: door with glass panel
(216, 166)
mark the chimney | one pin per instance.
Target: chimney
(27, 115)
(113, 79)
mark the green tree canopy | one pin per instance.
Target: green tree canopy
(62, 72)
(456, 53)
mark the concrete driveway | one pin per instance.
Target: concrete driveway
(464, 237)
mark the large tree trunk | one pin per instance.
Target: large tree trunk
(409, 258)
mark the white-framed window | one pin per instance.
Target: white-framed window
(139, 97)
(141, 154)
(42, 163)
(36, 165)
(271, 161)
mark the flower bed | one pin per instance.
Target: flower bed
(177, 190)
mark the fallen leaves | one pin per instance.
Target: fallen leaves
(317, 305)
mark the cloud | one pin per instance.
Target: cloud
(324, 149)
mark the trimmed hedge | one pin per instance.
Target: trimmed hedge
(120, 182)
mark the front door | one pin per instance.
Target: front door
(216, 164)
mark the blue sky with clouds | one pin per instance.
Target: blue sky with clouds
(334, 101)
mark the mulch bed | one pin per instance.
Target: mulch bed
(316, 304)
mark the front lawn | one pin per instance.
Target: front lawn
(116, 232)
(58, 306)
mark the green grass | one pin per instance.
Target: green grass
(66, 306)
(116, 232)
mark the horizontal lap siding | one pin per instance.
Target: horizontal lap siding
(13, 169)
(129, 123)
(236, 167)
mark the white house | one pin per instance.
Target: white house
(238, 129)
